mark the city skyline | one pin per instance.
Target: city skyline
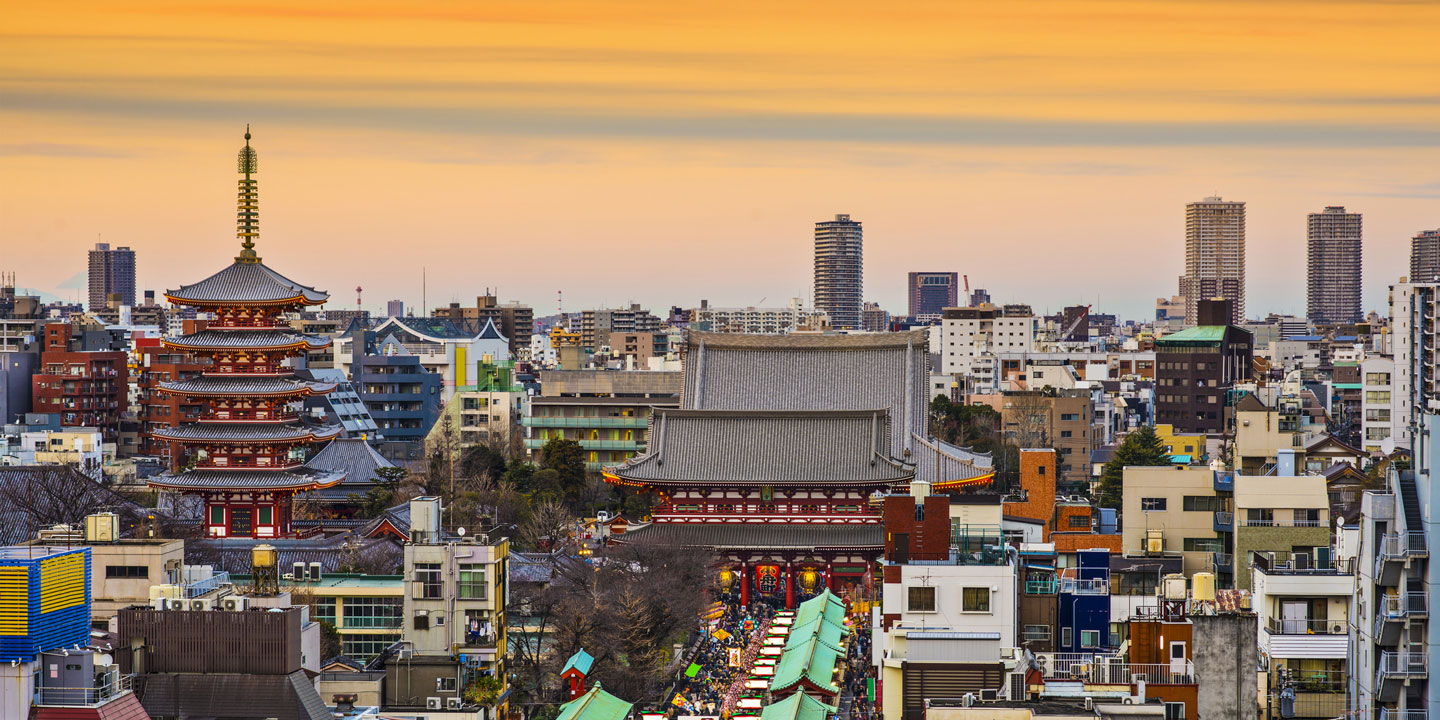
(601, 138)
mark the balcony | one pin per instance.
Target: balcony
(1396, 668)
(1389, 714)
(1093, 586)
(1224, 522)
(1223, 562)
(102, 692)
(1305, 626)
(1392, 611)
(1112, 670)
(1393, 552)
(584, 422)
(631, 445)
(1040, 587)
(1225, 482)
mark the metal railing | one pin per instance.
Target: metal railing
(1040, 587)
(1305, 626)
(1111, 670)
(200, 587)
(1399, 665)
(1224, 519)
(583, 422)
(1402, 545)
(83, 696)
(1389, 714)
(1222, 560)
(1076, 586)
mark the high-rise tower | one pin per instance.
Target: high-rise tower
(839, 271)
(1214, 256)
(1333, 277)
(1425, 257)
(112, 272)
(247, 447)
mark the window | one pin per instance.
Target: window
(1201, 503)
(427, 580)
(266, 516)
(1040, 471)
(1157, 504)
(1203, 545)
(1259, 517)
(472, 582)
(1307, 518)
(217, 516)
(372, 612)
(1174, 711)
(1036, 633)
(445, 684)
(1065, 637)
(127, 571)
(364, 647)
(921, 599)
(1090, 638)
(975, 599)
(1069, 417)
(1065, 433)
(324, 609)
(1078, 521)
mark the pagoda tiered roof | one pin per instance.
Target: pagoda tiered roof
(245, 386)
(244, 283)
(248, 432)
(767, 447)
(298, 479)
(246, 340)
(761, 536)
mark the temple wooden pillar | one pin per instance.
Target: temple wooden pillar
(830, 576)
(789, 585)
(744, 583)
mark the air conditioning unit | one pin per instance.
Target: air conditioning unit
(989, 695)
(405, 653)
(317, 572)
(160, 603)
(200, 604)
(300, 572)
(453, 703)
(287, 576)
(176, 604)
(434, 703)
(235, 603)
(1154, 542)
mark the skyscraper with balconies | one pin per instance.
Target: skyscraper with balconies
(112, 272)
(1333, 277)
(839, 271)
(1214, 256)
(1425, 257)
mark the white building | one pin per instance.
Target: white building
(1377, 400)
(974, 335)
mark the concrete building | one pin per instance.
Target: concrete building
(839, 271)
(394, 308)
(874, 318)
(1303, 613)
(1173, 511)
(1377, 430)
(1214, 257)
(443, 347)
(931, 292)
(1425, 257)
(515, 321)
(1285, 515)
(596, 326)
(1334, 266)
(758, 320)
(159, 364)
(400, 393)
(606, 411)
(454, 614)
(1062, 421)
(86, 389)
(949, 605)
(341, 406)
(972, 336)
(112, 273)
(488, 412)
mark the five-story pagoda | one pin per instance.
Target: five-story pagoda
(246, 450)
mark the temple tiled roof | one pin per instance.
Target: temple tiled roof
(247, 432)
(799, 706)
(246, 282)
(297, 479)
(212, 385)
(247, 339)
(767, 448)
(352, 456)
(889, 371)
(763, 536)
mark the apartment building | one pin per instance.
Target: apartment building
(1425, 257)
(973, 336)
(758, 320)
(840, 271)
(606, 411)
(1334, 240)
(1303, 611)
(1214, 257)
(1063, 421)
(86, 389)
(930, 293)
(1377, 430)
(1176, 510)
(1196, 367)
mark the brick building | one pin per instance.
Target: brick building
(1196, 367)
(86, 389)
(165, 410)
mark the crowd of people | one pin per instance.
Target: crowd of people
(717, 685)
(858, 672)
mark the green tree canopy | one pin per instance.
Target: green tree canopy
(1140, 448)
(567, 459)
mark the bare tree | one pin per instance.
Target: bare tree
(548, 527)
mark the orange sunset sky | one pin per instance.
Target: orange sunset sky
(664, 152)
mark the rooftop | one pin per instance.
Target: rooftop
(246, 282)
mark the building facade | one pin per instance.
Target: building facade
(1425, 257)
(1214, 256)
(931, 292)
(839, 271)
(1196, 367)
(112, 273)
(84, 388)
(1334, 266)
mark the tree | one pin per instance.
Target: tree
(1141, 448)
(482, 461)
(566, 458)
(548, 527)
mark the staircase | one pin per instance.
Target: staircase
(1410, 500)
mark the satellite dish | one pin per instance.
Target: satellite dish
(461, 531)
(1387, 446)
(105, 659)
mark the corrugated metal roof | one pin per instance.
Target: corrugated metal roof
(241, 282)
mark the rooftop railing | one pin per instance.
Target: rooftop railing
(100, 694)
(200, 587)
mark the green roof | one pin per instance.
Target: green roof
(829, 633)
(811, 661)
(581, 661)
(823, 605)
(1348, 386)
(798, 706)
(1199, 333)
(595, 704)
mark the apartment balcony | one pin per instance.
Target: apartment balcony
(1391, 714)
(584, 422)
(1112, 670)
(630, 445)
(1395, 549)
(1392, 611)
(1224, 522)
(1225, 482)
(1395, 669)
(1076, 586)
(1223, 562)
(1041, 587)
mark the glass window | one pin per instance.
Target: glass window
(1065, 637)
(975, 599)
(1090, 638)
(1201, 503)
(364, 647)
(1079, 521)
(921, 599)
(472, 582)
(1203, 545)
(427, 579)
(1156, 504)
(373, 612)
(324, 609)
(1036, 633)
(127, 571)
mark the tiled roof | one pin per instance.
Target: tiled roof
(767, 448)
(595, 704)
(756, 535)
(248, 339)
(935, 462)
(810, 661)
(353, 457)
(532, 567)
(798, 706)
(245, 432)
(888, 371)
(297, 479)
(580, 661)
(490, 331)
(283, 697)
(212, 385)
(830, 634)
(246, 282)
(33, 497)
(333, 552)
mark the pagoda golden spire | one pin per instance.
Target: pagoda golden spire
(247, 219)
